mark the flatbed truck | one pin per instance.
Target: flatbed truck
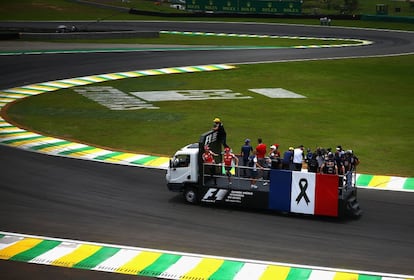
(283, 191)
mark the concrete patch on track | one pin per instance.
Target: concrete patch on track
(161, 264)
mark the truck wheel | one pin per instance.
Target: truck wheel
(190, 195)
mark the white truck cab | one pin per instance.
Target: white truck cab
(183, 169)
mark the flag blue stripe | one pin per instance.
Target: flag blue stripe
(280, 190)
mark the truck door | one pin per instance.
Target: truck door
(180, 169)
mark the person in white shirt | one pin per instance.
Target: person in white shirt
(298, 158)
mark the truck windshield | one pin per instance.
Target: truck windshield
(181, 161)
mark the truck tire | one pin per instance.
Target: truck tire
(190, 195)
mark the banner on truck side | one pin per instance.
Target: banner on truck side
(301, 192)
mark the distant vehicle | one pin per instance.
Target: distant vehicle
(278, 190)
(64, 29)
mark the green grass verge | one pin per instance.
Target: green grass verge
(216, 40)
(365, 105)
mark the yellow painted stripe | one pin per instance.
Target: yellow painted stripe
(209, 68)
(12, 129)
(157, 162)
(171, 71)
(151, 72)
(59, 147)
(79, 254)
(7, 100)
(94, 79)
(22, 90)
(204, 269)
(131, 74)
(16, 134)
(137, 74)
(379, 181)
(86, 152)
(58, 84)
(190, 69)
(121, 157)
(13, 95)
(275, 272)
(113, 76)
(18, 247)
(17, 143)
(76, 82)
(345, 276)
(139, 263)
(41, 87)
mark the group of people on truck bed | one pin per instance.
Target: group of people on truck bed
(321, 160)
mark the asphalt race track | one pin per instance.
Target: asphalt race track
(99, 202)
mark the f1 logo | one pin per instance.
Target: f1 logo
(214, 194)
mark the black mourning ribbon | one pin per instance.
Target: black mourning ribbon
(303, 185)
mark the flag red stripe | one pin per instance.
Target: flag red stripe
(326, 195)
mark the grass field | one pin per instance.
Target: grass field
(362, 104)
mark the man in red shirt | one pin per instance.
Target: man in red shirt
(228, 159)
(261, 149)
(208, 159)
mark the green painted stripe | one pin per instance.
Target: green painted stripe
(144, 160)
(180, 70)
(1, 235)
(36, 251)
(369, 277)
(23, 139)
(47, 145)
(363, 180)
(106, 156)
(99, 256)
(123, 75)
(160, 265)
(12, 132)
(409, 184)
(87, 148)
(299, 274)
(227, 270)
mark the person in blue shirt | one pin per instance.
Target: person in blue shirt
(245, 152)
(287, 160)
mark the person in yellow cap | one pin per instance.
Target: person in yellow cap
(221, 132)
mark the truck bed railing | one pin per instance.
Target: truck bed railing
(214, 175)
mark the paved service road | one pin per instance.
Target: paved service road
(75, 199)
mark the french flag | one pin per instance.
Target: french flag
(303, 192)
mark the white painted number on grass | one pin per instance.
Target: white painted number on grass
(115, 99)
(185, 95)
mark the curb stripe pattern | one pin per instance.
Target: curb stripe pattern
(358, 42)
(161, 264)
(20, 138)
